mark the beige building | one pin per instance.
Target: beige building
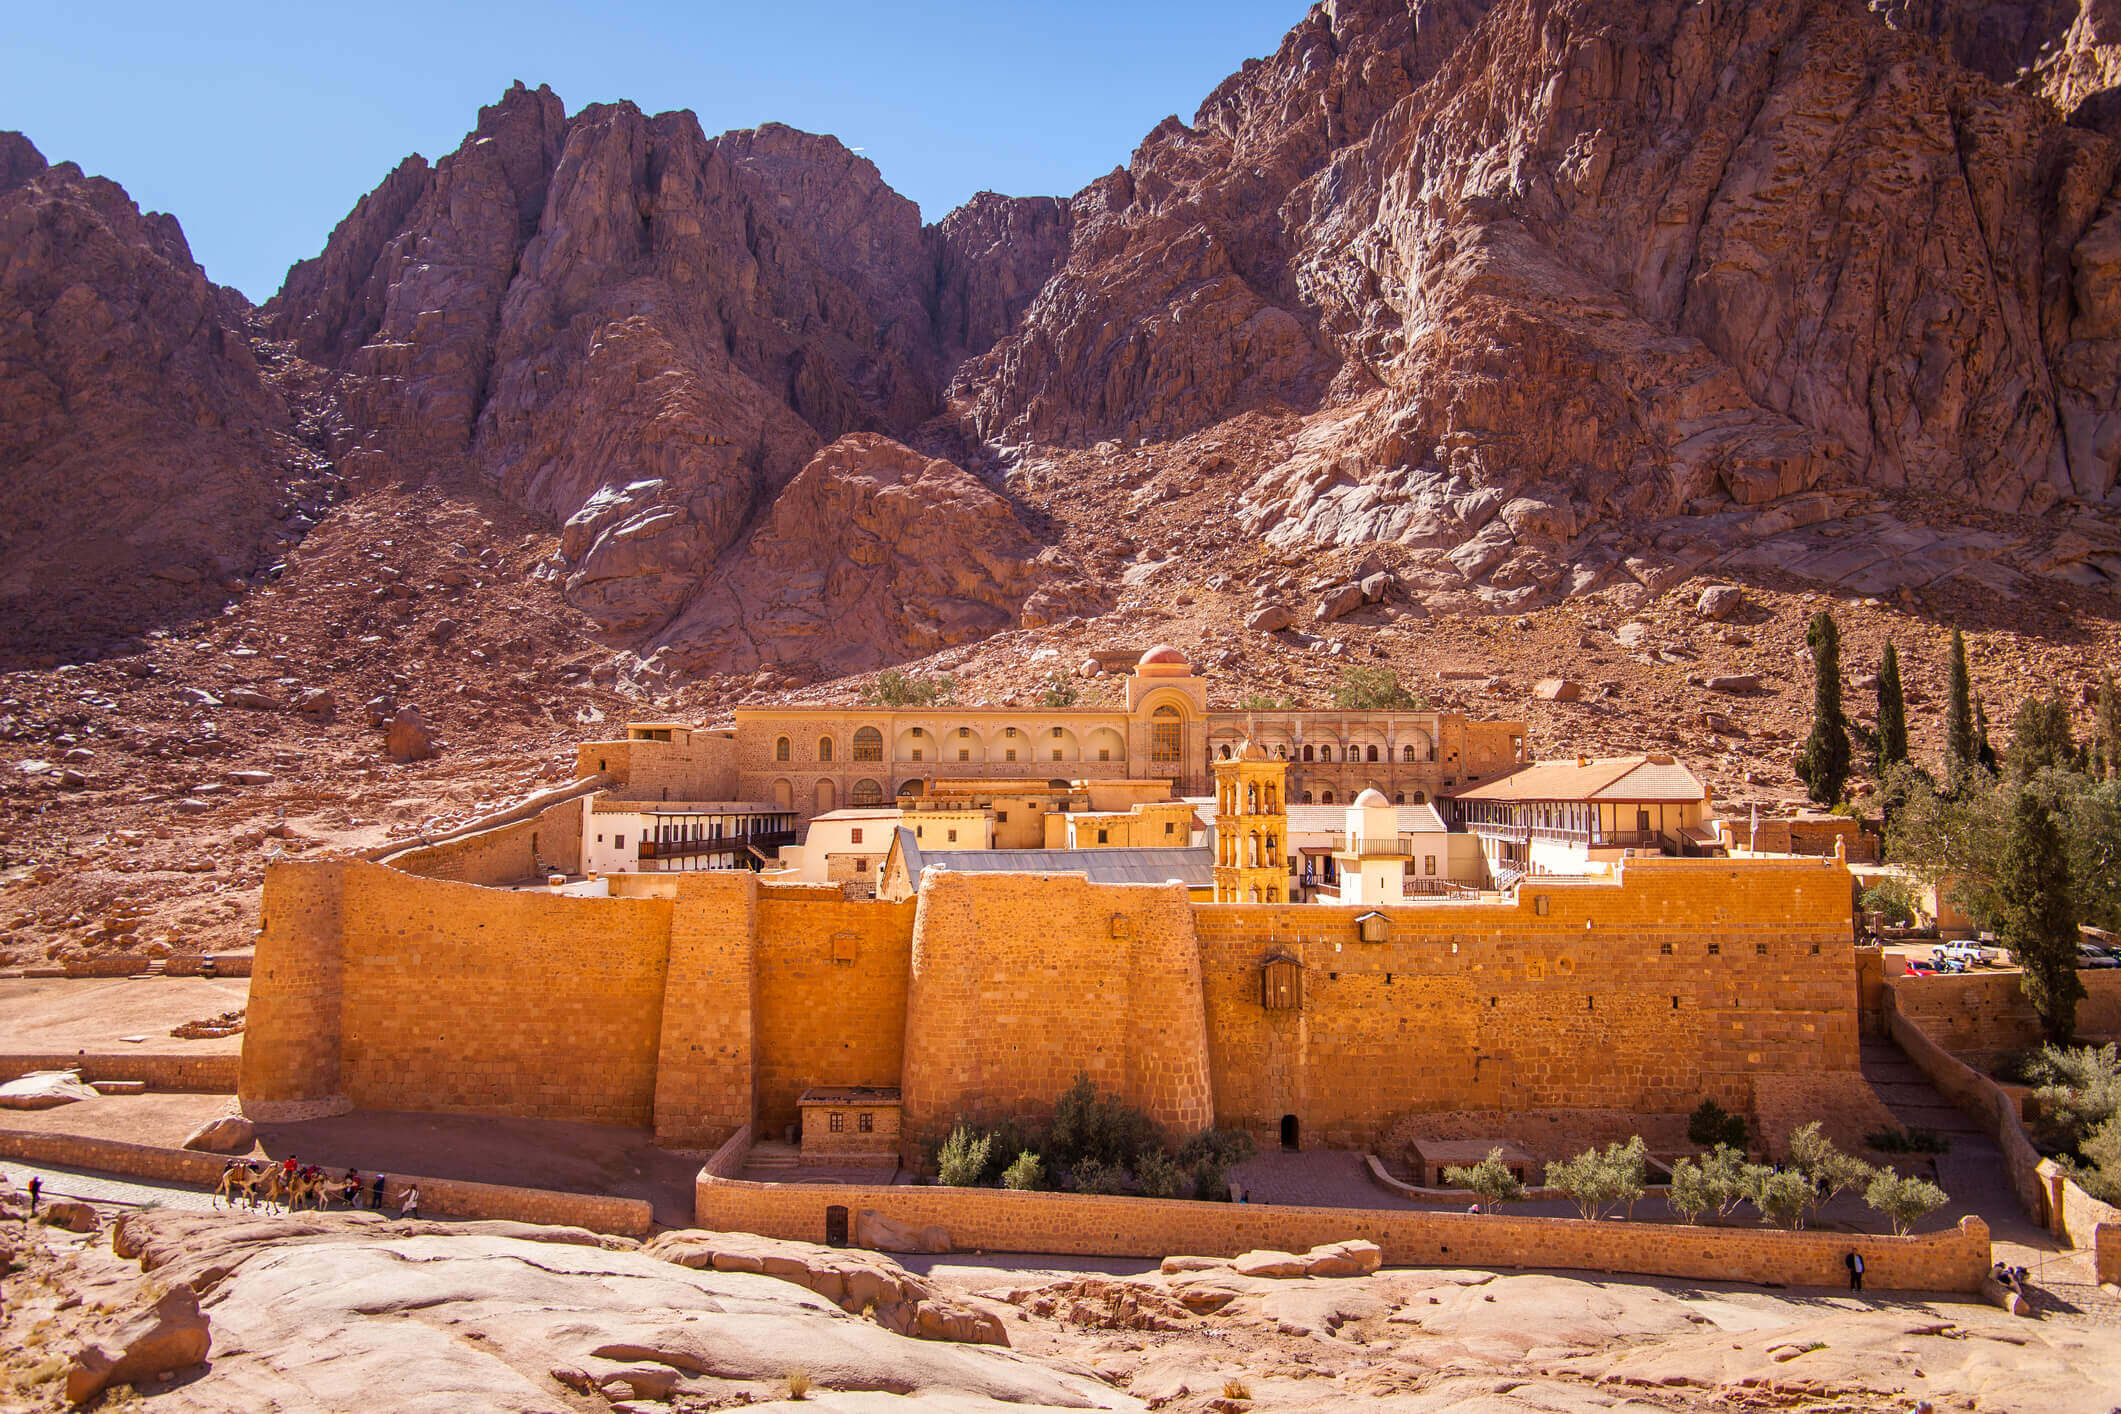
(673, 836)
(1576, 817)
(1372, 858)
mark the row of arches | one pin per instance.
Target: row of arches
(1255, 797)
(1257, 849)
(957, 744)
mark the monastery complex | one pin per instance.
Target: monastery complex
(1316, 926)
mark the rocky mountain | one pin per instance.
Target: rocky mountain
(146, 463)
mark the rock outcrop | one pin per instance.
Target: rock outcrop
(144, 460)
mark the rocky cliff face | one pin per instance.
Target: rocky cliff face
(144, 462)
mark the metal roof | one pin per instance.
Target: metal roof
(1195, 868)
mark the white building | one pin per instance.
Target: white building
(1371, 857)
(1577, 817)
(666, 836)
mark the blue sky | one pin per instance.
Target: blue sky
(260, 125)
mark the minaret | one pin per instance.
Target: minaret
(1251, 827)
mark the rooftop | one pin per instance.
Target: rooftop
(1195, 868)
(1618, 778)
(850, 1095)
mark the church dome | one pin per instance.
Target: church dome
(1372, 798)
(1163, 655)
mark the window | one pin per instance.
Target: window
(869, 744)
(963, 732)
(1104, 753)
(1056, 753)
(952, 837)
(1009, 731)
(780, 748)
(1373, 753)
(866, 792)
(1163, 734)
(854, 836)
(1760, 950)
(1428, 863)
(1326, 798)
(916, 753)
(1056, 733)
(839, 1122)
(867, 1123)
(1715, 950)
(1307, 798)
(824, 748)
(619, 840)
(1406, 753)
(1009, 754)
(964, 754)
(1170, 828)
(1001, 817)
(1307, 753)
(1101, 836)
(861, 866)
(920, 832)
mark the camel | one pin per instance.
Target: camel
(308, 1187)
(239, 1179)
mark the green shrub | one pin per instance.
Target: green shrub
(1717, 1180)
(1211, 1181)
(1490, 1179)
(2079, 1090)
(1159, 1175)
(963, 1157)
(1599, 1181)
(1690, 1194)
(1093, 1176)
(1904, 1201)
(1711, 1125)
(1228, 1147)
(896, 689)
(1782, 1196)
(1060, 691)
(1830, 1171)
(1375, 690)
(1026, 1174)
(1088, 1125)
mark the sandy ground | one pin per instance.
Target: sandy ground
(96, 1014)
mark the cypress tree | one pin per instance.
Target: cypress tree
(2037, 914)
(1825, 764)
(2106, 730)
(1959, 746)
(1892, 712)
(1984, 754)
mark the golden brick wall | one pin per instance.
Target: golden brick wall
(703, 767)
(1983, 1016)
(1020, 981)
(291, 1028)
(459, 998)
(987, 1219)
(507, 854)
(705, 1074)
(1501, 1006)
(821, 1142)
(831, 995)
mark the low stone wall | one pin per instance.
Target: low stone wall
(1983, 1100)
(1983, 1016)
(997, 1220)
(728, 1161)
(203, 1075)
(439, 1197)
(2082, 1221)
(130, 964)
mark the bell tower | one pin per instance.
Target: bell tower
(1251, 827)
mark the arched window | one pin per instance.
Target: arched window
(868, 745)
(1399, 797)
(826, 796)
(866, 792)
(780, 748)
(1406, 753)
(1373, 753)
(824, 748)
(1164, 734)
(1421, 797)
(1273, 894)
(1307, 797)
(1327, 798)
(1226, 753)
(1307, 753)
(784, 794)
(1252, 799)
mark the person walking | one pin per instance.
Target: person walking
(1854, 1262)
(351, 1188)
(376, 1192)
(410, 1208)
(36, 1187)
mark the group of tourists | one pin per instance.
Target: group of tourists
(293, 1184)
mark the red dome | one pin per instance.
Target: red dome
(1163, 653)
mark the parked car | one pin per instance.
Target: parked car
(1916, 967)
(2089, 957)
(1970, 954)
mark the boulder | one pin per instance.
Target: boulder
(1268, 618)
(1376, 586)
(1339, 603)
(45, 1090)
(873, 1229)
(251, 699)
(1557, 690)
(250, 778)
(1269, 1263)
(1173, 1266)
(316, 702)
(1353, 1258)
(1738, 684)
(197, 697)
(230, 1134)
(408, 740)
(169, 1336)
(1719, 601)
(70, 1214)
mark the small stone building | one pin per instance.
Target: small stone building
(850, 1124)
(1428, 1158)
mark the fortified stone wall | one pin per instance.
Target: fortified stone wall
(1021, 981)
(703, 767)
(1646, 994)
(1982, 1017)
(832, 977)
(506, 854)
